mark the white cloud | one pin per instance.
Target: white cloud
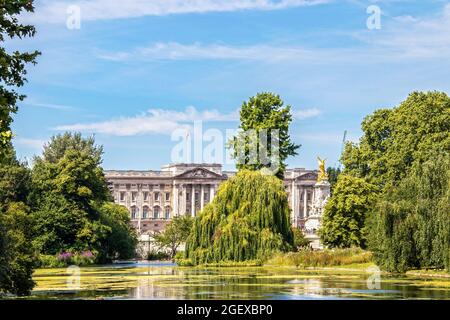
(37, 144)
(55, 11)
(403, 37)
(48, 105)
(154, 121)
(197, 51)
(306, 113)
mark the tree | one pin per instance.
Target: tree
(300, 240)
(16, 254)
(12, 65)
(260, 116)
(61, 143)
(344, 219)
(333, 175)
(394, 139)
(14, 179)
(73, 209)
(120, 241)
(411, 224)
(175, 234)
(247, 220)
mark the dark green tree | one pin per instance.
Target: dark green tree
(411, 225)
(73, 209)
(121, 238)
(175, 234)
(344, 219)
(300, 240)
(12, 65)
(333, 175)
(260, 116)
(16, 253)
(394, 139)
(247, 220)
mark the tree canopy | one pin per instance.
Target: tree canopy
(12, 65)
(260, 116)
(248, 219)
(175, 233)
(343, 222)
(394, 139)
(73, 209)
(410, 227)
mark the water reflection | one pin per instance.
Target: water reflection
(166, 281)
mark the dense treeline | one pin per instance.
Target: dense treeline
(403, 155)
(247, 220)
(58, 212)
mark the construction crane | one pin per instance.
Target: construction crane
(344, 140)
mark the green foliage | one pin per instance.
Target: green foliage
(333, 175)
(120, 241)
(344, 219)
(324, 258)
(71, 200)
(12, 65)
(247, 220)
(16, 254)
(14, 180)
(265, 111)
(66, 259)
(411, 225)
(158, 255)
(395, 138)
(61, 143)
(175, 233)
(300, 240)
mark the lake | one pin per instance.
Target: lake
(167, 281)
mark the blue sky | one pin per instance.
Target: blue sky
(136, 70)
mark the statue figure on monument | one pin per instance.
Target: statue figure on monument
(323, 176)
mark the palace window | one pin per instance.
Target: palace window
(156, 196)
(122, 196)
(145, 196)
(188, 196)
(167, 213)
(133, 213)
(133, 196)
(156, 213)
(197, 196)
(206, 197)
(145, 213)
(167, 196)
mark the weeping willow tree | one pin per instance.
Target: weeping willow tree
(248, 219)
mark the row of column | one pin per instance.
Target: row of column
(180, 207)
(295, 201)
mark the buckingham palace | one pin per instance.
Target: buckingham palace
(154, 197)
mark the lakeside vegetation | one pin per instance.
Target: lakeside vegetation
(324, 258)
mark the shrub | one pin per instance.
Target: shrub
(157, 255)
(324, 258)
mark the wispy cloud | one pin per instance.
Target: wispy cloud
(55, 11)
(154, 121)
(306, 113)
(403, 37)
(36, 144)
(197, 51)
(49, 105)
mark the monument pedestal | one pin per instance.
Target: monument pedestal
(322, 191)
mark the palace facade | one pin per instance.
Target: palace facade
(153, 198)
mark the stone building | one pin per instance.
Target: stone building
(153, 198)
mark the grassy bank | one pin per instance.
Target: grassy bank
(325, 258)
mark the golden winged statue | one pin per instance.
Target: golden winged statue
(323, 176)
